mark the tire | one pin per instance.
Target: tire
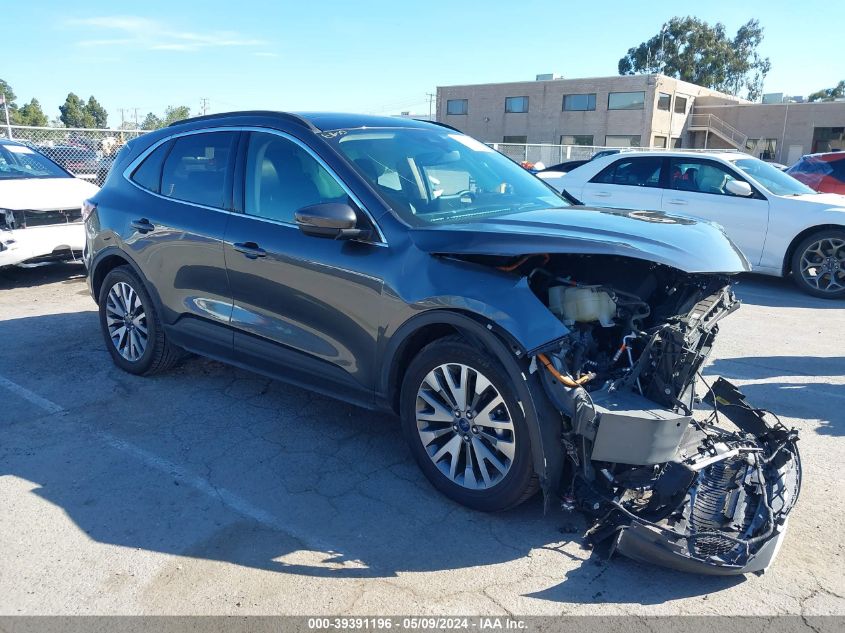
(120, 288)
(827, 249)
(423, 412)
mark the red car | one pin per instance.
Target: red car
(822, 172)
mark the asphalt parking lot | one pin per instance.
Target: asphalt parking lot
(211, 490)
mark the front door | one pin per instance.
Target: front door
(698, 188)
(306, 308)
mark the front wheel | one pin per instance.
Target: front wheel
(818, 264)
(466, 428)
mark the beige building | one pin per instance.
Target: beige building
(637, 111)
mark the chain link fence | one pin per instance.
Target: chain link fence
(86, 153)
(550, 155)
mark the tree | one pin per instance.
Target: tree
(98, 113)
(151, 122)
(829, 94)
(31, 114)
(6, 90)
(176, 113)
(691, 50)
(74, 112)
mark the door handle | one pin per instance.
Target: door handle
(602, 194)
(142, 226)
(677, 201)
(250, 249)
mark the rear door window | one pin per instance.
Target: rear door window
(199, 169)
(634, 172)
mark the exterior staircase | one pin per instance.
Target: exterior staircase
(712, 124)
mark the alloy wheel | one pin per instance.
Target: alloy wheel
(823, 264)
(126, 321)
(465, 426)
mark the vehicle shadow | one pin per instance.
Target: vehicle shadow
(776, 292)
(34, 275)
(216, 463)
(822, 401)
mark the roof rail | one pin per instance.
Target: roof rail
(270, 113)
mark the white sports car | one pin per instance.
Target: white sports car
(781, 225)
(40, 207)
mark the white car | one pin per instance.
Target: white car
(40, 207)
(781, 225)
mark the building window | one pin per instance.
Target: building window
(626, 101)
(751, 144)
(456, 106)
(521, 140)
(620, 140)
(579, 102)
(664, 101)
(677, 142)
(576, 139)
(770, 146)
(516, 104)
(659, 141)
(680, 105)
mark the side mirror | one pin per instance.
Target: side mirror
(333, 220)
(739, 188)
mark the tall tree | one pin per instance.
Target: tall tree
(692, 50)
(98, 113)
(151, 122)
(31, 114)
(176, 113)
(74, 112)
(6, 90)
(829, 94)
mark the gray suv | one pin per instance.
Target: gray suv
(524, 343)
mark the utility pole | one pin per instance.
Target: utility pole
(122, 117)
(6, 109)
(204, 105)
(431, 97)
(135, 110)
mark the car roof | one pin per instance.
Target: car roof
(826, 156)
(724, 155)
(317, 121)
(6, 141)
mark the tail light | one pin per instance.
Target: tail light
(88, 207)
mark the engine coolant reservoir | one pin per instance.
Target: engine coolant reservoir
(582, 305)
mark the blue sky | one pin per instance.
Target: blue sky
(370, 56)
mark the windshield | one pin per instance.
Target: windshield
(19, 161)
(430, 176)
(772, 178)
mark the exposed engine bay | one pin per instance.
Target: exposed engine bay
(659, 483)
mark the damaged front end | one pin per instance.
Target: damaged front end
(662, 484)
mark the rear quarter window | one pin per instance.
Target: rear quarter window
(148, 173)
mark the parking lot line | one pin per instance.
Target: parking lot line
(234, 502)
(32, 397)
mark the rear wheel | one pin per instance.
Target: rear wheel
(466, 428)
(131, 326)
(818, 264)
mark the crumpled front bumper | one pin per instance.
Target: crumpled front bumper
(21, 245)
(747, 528)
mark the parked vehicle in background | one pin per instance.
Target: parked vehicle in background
(566, 166)
(81, 161)
(40, 207)
(822, 172)
(404, 266)
(781, 225)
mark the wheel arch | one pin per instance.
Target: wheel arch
(542, 419)
(790, 251)
(109, 259)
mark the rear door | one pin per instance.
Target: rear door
(305, 308)
(174, 231)
(697, 188)
(627, 183)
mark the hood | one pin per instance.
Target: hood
(44, 193)
(689, 245)
(832, 201)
